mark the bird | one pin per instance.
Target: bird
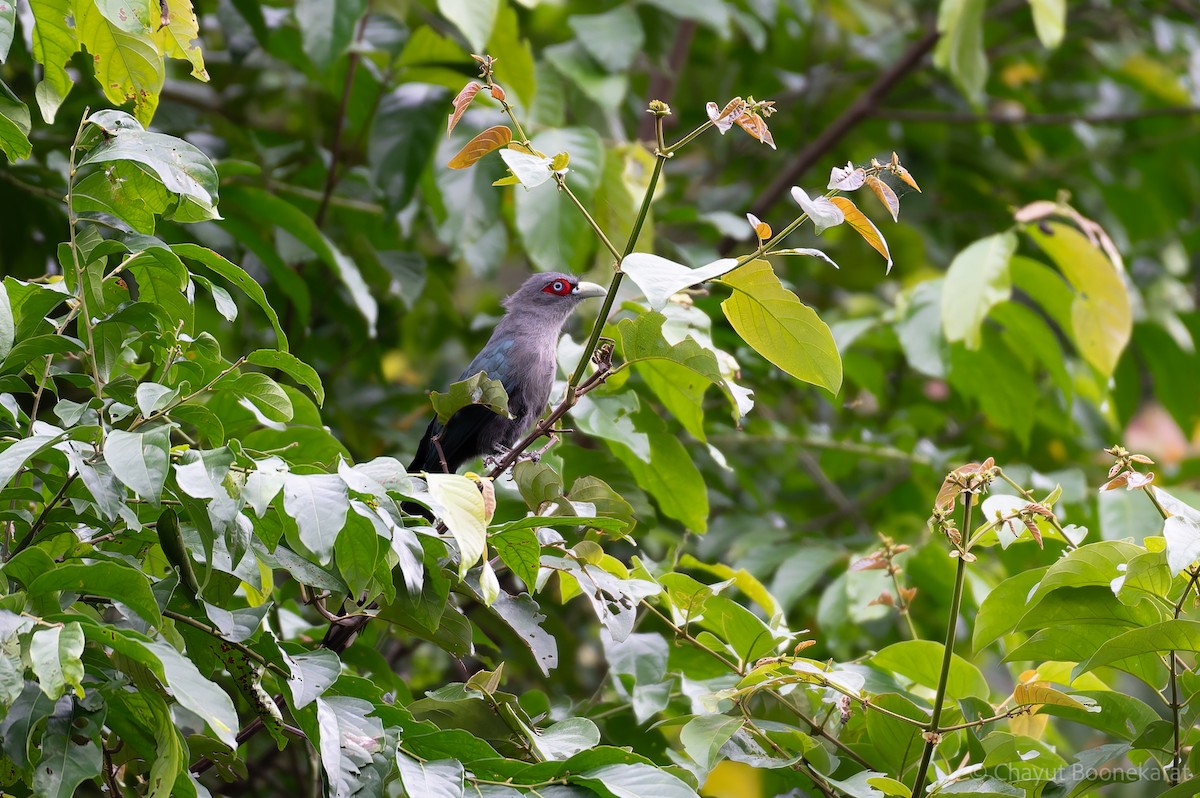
(521, 355)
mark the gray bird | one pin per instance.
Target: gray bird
(521, 354)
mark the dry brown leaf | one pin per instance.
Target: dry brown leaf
(756, 126)
(461, 102)
(865, 228)
(491, 139)
(886, 196)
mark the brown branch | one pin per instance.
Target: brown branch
(335, 146)
(662, 85)
(1018, 118)
(859, 110)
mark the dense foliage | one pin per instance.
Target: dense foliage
(786, 528)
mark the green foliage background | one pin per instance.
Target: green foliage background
(1017, 335)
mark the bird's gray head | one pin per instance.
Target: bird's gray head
(551, 296)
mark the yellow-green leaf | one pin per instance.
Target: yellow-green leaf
(977, 280)
(54, 42)
(178, 34)
(128, 66)
(780, 327)
(1101, 316)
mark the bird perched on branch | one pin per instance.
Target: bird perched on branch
(521, 355)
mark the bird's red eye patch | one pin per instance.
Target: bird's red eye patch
(558, 288)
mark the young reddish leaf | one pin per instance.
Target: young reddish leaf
(856, 219)
(461, 102)
(491, 139)
(725, 118)
(761, 228)
(756, 126)
(498, 93)
(886, 196)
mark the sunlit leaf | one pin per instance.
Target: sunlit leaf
(864, 227)
(128, 65)
(1050, 21)
(178, 34)
(821, 210)
(846, 178)
(978, 279)
(780, 327)
(531, 170)
(660, 279)
(724, 118)
(886, 196)
(756, 126)
(491, 139)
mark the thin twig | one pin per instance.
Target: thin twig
(335, 146)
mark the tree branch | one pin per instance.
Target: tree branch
(335, 146)
(1019, 118)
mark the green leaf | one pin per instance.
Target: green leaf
(318, 503)
(668, 474)
(403, 138)
(1174, 635)
(182, 167)
(1101, 313)
(571, 61)
(356, 550)
(679, 375)
(475, 18)
(1094, 564)
(234, 274)
(55, 40)
(921, 662)
(614, 38)
(195, 692)
(292, 366)
(65, 763)
(103, 578)
(132, 16)
(8, 329)
(517, 70)
(660, 278)
(554, 234)
(780, 327)
(977, 280)
(16, 455)
(519, 549)
(959, 51)
(458, 503)
(478, 389)
(348, 737)
(140, 459)
(327, 28)
(564, 739)
(1050, 20)
(524, 617)
(312, 674)
(634, 781)
(441, 778)
(128, 65)
(54, 656)
(126, 191)
(1079, 643)
(703, 736)
(281, 213)
(264, 393)
(897, 743)
(8, 26)
(14, 117)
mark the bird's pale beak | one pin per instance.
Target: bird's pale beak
(589, 290)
